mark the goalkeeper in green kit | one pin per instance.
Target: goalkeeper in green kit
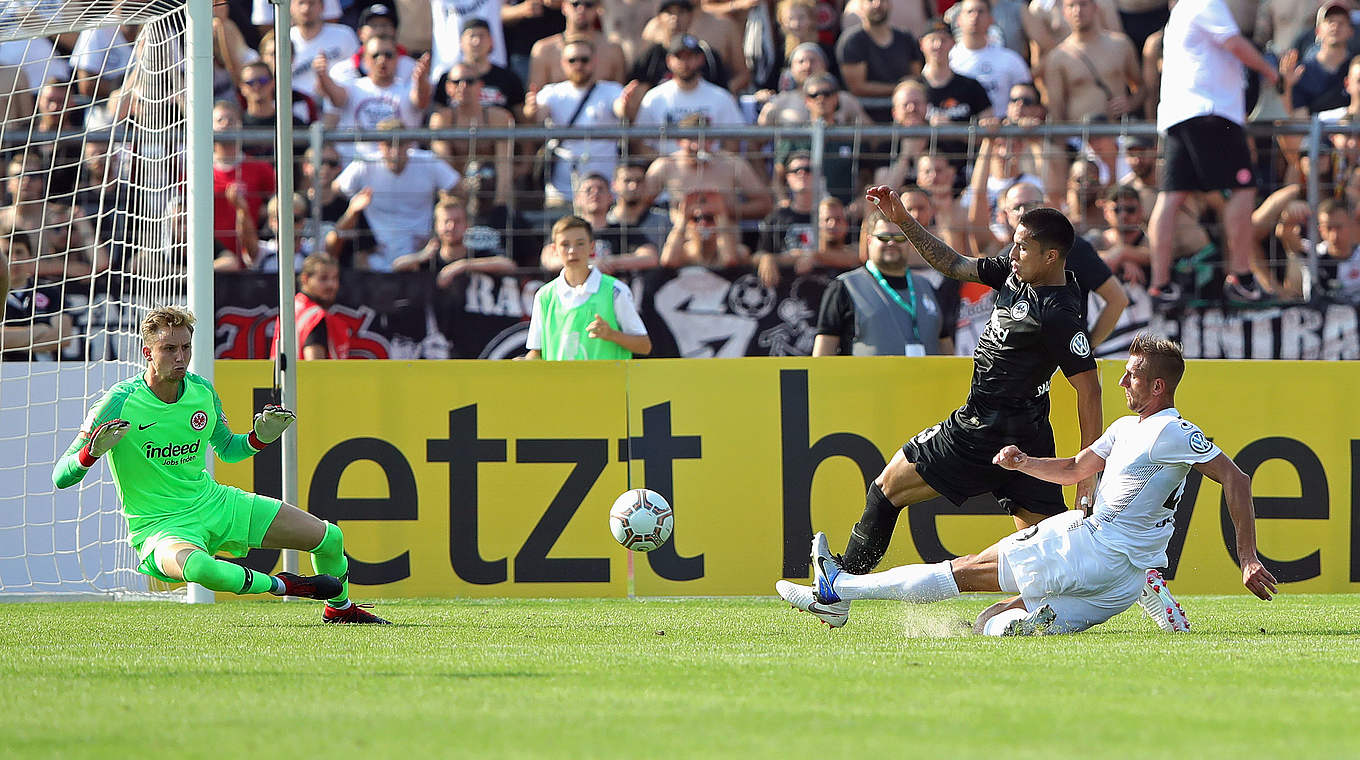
(156, 428)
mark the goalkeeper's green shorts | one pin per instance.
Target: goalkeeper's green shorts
(229, 520)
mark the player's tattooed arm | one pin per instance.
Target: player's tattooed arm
(936, 252)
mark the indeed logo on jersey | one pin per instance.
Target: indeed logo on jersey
(173, 453)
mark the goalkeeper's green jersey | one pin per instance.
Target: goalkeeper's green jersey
(160, 466)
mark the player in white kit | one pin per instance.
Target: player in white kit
(1072, 571)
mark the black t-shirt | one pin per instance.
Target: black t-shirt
(26, 304)
(521, 35)
(785, 229)
(500, 87)
(1033, 330)
(497, 232)
(318, 337)
(960, 99)
(650, 66)
(1086, 264)
(882, 64)
(357, 239)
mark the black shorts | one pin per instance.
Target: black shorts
(1207, 153)
(955, 458)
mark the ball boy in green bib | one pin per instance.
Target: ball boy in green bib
(583, 313)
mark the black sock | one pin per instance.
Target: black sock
(870, 536)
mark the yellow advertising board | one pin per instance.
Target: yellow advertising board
(467, 478)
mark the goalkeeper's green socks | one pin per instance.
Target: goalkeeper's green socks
(329, 557)
(219, 575)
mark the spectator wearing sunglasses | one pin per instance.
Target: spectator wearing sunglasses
(368, 100)
(882, 308)
(500, 86)
(1123, 243)
(546, 62)
(557, 104)
(377, 20)
(257, 93)
(466, 109)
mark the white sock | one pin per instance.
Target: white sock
(908, 583)
(344, 606)
(277, 589)
(997, 624)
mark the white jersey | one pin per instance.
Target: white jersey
(1146, 462)
(1199, 76)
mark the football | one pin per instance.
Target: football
(641, 520)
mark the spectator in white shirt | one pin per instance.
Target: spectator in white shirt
(558, 102)
(366, 101)
(377, 20)
(996, 67)
(312, 39)
(686, 93)
(403, 187)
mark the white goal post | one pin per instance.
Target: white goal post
(106, 212)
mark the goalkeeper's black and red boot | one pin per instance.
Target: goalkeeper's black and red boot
(354, 613)
(320, 587)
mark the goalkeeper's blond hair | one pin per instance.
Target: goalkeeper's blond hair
(166, 318)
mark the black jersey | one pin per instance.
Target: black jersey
(1032, 331)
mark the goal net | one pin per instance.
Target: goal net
(92, 230)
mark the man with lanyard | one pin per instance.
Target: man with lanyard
(880, 309)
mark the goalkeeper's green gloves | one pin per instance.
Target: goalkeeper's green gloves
(270, 423)
(104, 438)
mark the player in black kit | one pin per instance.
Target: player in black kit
(1036, 327)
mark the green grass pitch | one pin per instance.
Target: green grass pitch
(694, 678)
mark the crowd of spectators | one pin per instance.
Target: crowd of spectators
(451, 206)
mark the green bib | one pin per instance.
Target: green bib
(564, 329)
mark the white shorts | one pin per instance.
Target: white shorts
(1059, 563)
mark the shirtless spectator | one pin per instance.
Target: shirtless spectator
(583, 19)
(703, 233)
(1092, 71)
(1190, 236)
(1046, 26)
(995, 67)
(465, 109)
(718, 35)
(911, 16)
(623, 22)
(696, 167)
(874, 57)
